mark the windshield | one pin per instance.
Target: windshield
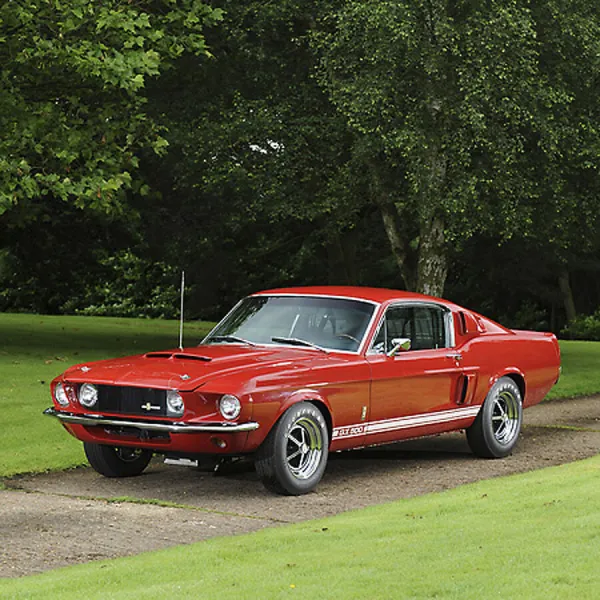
(329, 323)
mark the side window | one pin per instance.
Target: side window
(397, 323)
(423, 325)
(430, 331)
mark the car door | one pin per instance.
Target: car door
(416, 391)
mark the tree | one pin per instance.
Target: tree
(460, 115)
(262, 181)
(72, 102)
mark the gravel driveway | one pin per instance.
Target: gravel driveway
(63, 518)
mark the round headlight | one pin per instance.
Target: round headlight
(175, 404)
(88, 395)
(61, 395)
(230, 406)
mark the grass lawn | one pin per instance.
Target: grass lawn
(34, 349)
(581, 370)
(530, 536)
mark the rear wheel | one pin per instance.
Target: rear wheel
(112, 461)
(293, 457)
(495, 431)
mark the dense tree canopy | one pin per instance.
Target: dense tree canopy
(72, 103)
(466, 108)
(423, 144)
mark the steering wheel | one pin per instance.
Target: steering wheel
(348, 336)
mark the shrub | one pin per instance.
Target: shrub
(583, 328)
(135, 287)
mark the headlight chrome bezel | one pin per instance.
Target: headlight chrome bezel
(175, 404)
(60, 395)
(88, 401)
(230, 406)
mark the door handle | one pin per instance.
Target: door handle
(455, 356)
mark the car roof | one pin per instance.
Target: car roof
(371, 294)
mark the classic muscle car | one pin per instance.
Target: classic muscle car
(290, 375)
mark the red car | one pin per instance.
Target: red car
(290, 375)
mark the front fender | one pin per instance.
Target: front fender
(268, 411)
(303, 395)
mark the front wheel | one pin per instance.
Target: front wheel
(495, 431)
(293, 457)
(116, 462)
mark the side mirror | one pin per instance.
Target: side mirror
(399, 345)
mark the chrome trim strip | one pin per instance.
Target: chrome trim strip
(100, 421)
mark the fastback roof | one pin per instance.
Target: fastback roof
(362, 293)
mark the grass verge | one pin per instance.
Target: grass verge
(33, 350)
(535, 535)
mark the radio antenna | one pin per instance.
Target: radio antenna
(181, 312)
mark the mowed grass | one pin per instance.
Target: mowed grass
(35, 349)
(580, 370)
(530, 536)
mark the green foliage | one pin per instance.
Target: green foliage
(261, 181)
(72, 107)
(405, 549)
(134, 287)
(473, 116)
(52, 261)
(584, 327)
(471, 128)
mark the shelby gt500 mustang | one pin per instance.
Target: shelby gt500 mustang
(292, 374)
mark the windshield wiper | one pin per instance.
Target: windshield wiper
(298, 342)
(231, 338)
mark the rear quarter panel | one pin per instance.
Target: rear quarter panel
(533, 356)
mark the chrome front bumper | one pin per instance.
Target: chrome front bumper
(100, 421)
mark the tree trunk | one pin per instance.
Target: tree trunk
(433, 259)
(341, 253)
(567, 294)
(389, 215)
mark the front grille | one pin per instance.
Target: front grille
(132, 400)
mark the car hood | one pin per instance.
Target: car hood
(187, 369)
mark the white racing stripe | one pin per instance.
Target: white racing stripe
(422, 420)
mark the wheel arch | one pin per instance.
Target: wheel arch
(514, 374)
(519, 379)
(326, 414)
(314, 398)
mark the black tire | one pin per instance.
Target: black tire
(116, 462)
(293, 457)
(496, 428)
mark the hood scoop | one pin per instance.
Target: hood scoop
(178, 356)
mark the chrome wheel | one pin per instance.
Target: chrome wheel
(506, 419)
(304, 448)
(293, 457)
(496, 428)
